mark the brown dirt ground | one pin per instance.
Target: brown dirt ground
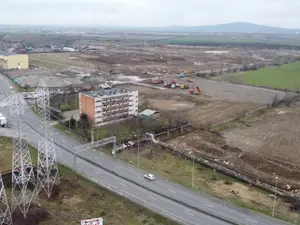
(248, 194)
(200, 110)
(253, 164)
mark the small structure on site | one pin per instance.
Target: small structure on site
(149, 113)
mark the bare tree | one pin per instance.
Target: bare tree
(221, 69)
(209, 67)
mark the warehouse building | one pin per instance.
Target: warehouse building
(10, 61)
(107, 106)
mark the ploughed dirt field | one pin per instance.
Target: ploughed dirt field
(259, 165)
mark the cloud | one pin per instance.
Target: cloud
(283, 13)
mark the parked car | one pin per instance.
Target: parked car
(11, 87)
(149, 176)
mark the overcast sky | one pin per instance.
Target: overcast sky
(283, 13)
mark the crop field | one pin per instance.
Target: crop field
(285, 76)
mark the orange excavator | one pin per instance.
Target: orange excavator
(195, 91)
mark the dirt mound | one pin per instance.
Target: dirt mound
(262, 167)
(252, 164)
(34, 217)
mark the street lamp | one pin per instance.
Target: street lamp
(274, 202)
(193, 170)
(138, 148)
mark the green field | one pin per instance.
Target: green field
(231, 40)
(286, 76)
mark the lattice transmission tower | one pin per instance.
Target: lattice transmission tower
(23, 179)
(47, 173)
(5, 214)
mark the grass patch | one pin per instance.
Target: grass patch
(232, 40)
(172, 167)
(71, 105)
(6, 146)
(286, 76)
(65, 130)
(80, 199)
(243, 122)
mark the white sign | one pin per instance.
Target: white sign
(96, 221)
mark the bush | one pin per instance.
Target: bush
(65, 107)
(228, 182)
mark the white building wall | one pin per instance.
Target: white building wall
(100, 108)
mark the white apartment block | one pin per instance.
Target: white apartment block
(107, 106)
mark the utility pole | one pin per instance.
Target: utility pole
(138, 146)
(48, 175)
(193, 173)
(70, 125)
(275, 195)
(5, 213)
(193, 168)
(22, 168)
(92, 135)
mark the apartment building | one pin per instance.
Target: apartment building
(107, 106)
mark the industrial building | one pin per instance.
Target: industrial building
(10, 61)
(107, 106)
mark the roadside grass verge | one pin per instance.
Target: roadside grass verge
(80, 199)
(206, 181)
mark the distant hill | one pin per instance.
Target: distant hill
(237, 27)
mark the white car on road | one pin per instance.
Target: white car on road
(149, 176)
(11, 88)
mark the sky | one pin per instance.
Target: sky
(145, 13)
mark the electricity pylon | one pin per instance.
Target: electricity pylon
(23, 180)
(5, 214)
(47, 170)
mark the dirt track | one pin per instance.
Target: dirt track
(237, 93)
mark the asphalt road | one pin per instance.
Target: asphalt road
(162, 196)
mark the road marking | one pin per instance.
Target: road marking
(188, 213)
(118, 167)
(123, 184)
(152, 198)
(252, 221)
(210, 206)
(171, 191)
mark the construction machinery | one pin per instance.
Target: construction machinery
(156, 81)
(195, 91)
(171, 84)
(183, 74)
(184, 86)
(106, 85)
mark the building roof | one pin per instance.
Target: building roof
(102, 92)
(148, 112)
(9, 53)
(5, 53)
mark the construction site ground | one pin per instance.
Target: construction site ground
(201, 110)
(271, 142)
(171, 166)
(78, 199)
